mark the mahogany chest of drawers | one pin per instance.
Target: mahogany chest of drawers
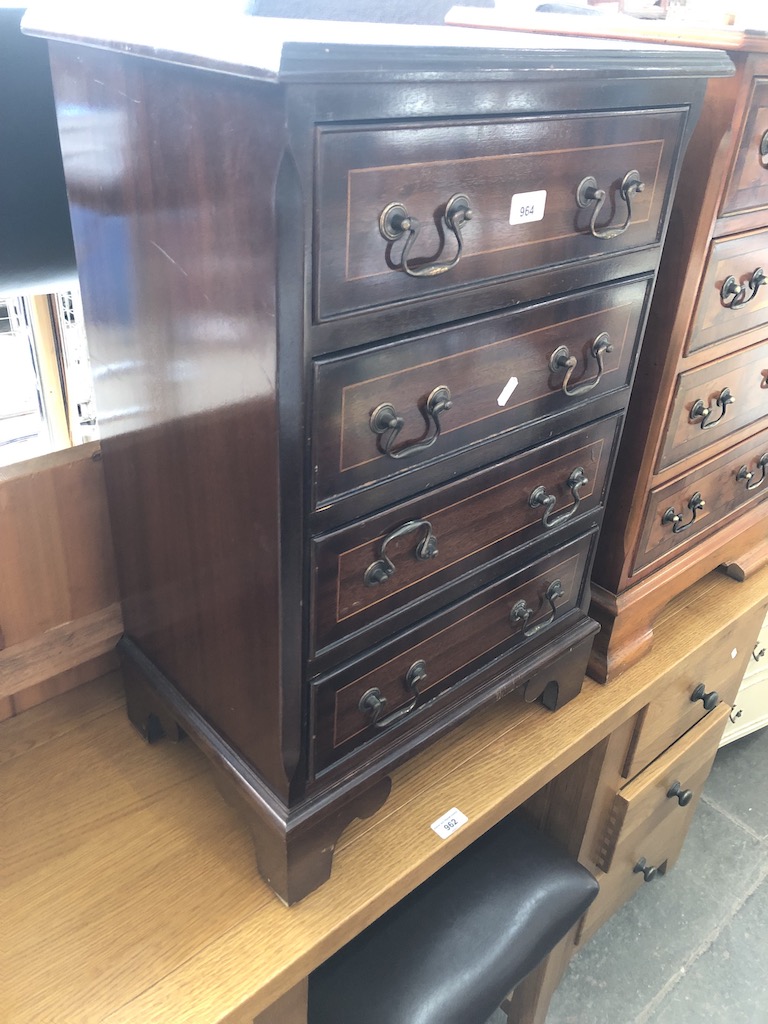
(694, 465)
(365, 317)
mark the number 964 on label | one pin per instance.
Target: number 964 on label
(527, 206)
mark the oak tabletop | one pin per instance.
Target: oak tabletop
(129, 889)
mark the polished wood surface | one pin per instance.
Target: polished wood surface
(745, 375)
(736, 256)
(683, 32)
(474, 360)
(483, 518)
(130, 893)
(58, 590)
(748, 188)
(646, 801)
(717, 230)
(718, 483)
(719, 664)
(236, 248)
(362, 171)
(455, 646)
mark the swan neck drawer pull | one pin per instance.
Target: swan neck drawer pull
(748, 476)
(383, 568)
(395, 222)
(703, 412)
(372, 703)
(588, 193)
(522, 612)
(561, 359)
(539, 496)
(735, 295)
(386, 424)
(695, 504)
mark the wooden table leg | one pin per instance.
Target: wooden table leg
(289, 1009)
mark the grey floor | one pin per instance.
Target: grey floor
(690, 948)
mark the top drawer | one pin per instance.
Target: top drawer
(748, 187)
(520, 178)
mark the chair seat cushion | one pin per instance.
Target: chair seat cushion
(453, 948)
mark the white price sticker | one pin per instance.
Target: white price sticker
(449, 823)
(507, 391)
(527, 206)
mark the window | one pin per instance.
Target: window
(46, 395)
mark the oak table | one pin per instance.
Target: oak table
(130, 893)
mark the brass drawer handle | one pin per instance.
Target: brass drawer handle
(373, 704)
(683, 796)
(522, 612)
(383, 568)
(702, 412)
(588, 192)
(734, 295)
(709, 700)
(395, 221)
(746, 474)
(539, 496)
(764, 148)
(561, 359)
(695, 503)
(645, 869)
(386, 424)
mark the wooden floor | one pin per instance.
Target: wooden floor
(129, 889)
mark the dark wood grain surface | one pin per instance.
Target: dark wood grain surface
(745, 374)
(362, 171)
(481, 519)
(454, 646)
(723, 493)
(477, 362)
(737, 256)
(227, 232)
(748, 185)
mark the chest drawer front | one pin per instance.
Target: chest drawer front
(732, 300)
(520, 178)
(703, 499)
(377, 569)
(748, 187)
(501, 373)
(716, 400)
(519, 613)
(673, 711)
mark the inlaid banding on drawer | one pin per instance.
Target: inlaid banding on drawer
(501, 374)
(381, 566)
(520, 610)
(418, 168)
(724, 312)
(748, 188)
(716, 400)
(703, 499)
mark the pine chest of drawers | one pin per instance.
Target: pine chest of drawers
(694, 480)
(365, 317)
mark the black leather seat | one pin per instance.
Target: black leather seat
(36, 250)
(452, 950)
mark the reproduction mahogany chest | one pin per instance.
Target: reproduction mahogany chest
(365, 311)
(691, 494)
